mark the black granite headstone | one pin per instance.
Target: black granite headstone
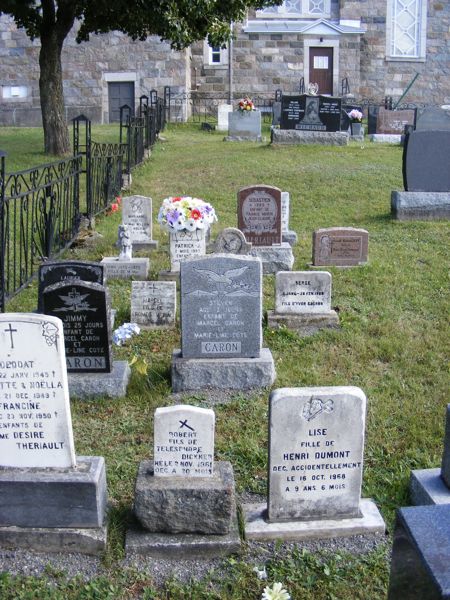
(426, 161)
(420, 567)
(311, 113)
(372, 116)
(84, 309)
(432, 118)
(64, 270)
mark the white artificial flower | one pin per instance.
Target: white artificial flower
(260, 573)
(276, 592)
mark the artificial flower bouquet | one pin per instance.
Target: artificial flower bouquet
(355, 115)
(178, 213)
(246, 104)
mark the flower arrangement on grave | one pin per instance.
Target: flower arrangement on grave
(355, 116)
(125, 332)
(276, 592)
(246, 104)
(178, 213)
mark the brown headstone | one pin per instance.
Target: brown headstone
(340, 246)
(259, 214)
(394, 121)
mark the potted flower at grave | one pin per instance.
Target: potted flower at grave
(246, 105)
(187, 220)
(355, 117)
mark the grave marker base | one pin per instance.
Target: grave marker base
(426, 486)
(90, 385)
(386, 138)
(274, 258)
(257, 528)
(304, 137)
(304, 324)
(222, 373)
(90, 541)
(289, 237)
(420, 206)
(125, 269)
(74, 497)
(169, 276)
(149, 245)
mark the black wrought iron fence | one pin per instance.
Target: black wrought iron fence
(106, 168)
(39, 217)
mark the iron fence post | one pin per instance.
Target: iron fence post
(2, 231)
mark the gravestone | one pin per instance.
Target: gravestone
(421, 554)
(186, 244)
(84, 309)
(153, 303)
(426, 178)
(340, 247)
(137, 216)
(231, 241)
(303, 302)
(393, 122)
(432, 118)
(287, 235)
(426, 161)
(50, 500)
(259, 218)
(223, 110)
(221, 333)
(244, 126)
(432, 486)
(316, 445)
(62, 270)
(184, 501)
(311, 113)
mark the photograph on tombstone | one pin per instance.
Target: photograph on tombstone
(340, 247)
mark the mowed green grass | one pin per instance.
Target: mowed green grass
(393, 344)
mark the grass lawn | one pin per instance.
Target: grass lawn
(393, 344)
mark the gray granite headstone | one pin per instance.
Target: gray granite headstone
(63, 270)
(231, 241)
(432, 118)
(421, 554)
(137, 216)
(426, 161)
(316, 444)
(244, 125)
(35, 421)
(153, 303)
(340, 246)
(183, 441)
(300, 292)
(221, 307)
(445, 469)
(84, 309)
(259, 214)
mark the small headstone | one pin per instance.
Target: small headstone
(223, 110)
(303, 292)
(421, 554)
(153, 303)
(315, 453)
(137, 217)
(426, 161)
(244, 126)
(221, 307)
(84, 309)
(311, 113)
(394, 121)
(186, 244)
(340, 246)
(231, 241)
(183, 442)
(432, 118)
(259, 214)
(63, 270)
(35, 421)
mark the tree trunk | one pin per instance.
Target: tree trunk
(56, 133)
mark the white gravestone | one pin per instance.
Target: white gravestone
(186, 244)
(303, 292)
(153, 303)
(184, 441)
(316, 450)
(287, 235)
(35, 420)
(137, 216)
(223, 111)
